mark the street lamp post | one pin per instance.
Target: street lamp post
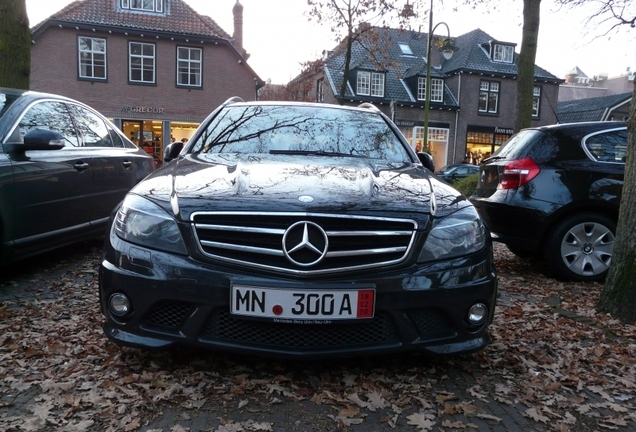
(447, 49)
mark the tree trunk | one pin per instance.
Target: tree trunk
(345, 73)
(527, 55)
(619, 294)
(15, 44)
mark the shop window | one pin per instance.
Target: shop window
(92, 57)
(480, 145)
(189, 61)
(141, 63)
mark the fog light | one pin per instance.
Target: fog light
(477, 313)
(119, 304)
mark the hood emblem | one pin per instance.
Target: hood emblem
(305, 243)
(305, 198)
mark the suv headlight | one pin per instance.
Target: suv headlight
(144, 223)
(459, 234)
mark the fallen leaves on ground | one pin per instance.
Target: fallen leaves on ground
(553, 359)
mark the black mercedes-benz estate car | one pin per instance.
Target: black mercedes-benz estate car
(63, 168)
(297, 230)
(554, 192)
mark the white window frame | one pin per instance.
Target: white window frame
(142, 58)
(189, 66)
(370, 84)
(90, 57)
(143, 5)
(363, 86)
(320, 90)
(489, 88)
(503, 53)
(377, 84)
(536, 101)
(437, 89)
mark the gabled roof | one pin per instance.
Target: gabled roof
(472, 57)
(591, 109)
(178, 18)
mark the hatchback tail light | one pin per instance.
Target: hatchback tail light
(518, 172)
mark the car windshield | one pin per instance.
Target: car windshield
(289, 129)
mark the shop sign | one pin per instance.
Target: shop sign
(405, 123)
(506, 131)
(142, 109)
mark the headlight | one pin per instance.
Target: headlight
(459, 234)
(144, 223)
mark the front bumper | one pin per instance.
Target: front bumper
(177, 300)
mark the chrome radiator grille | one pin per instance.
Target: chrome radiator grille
(303, 243)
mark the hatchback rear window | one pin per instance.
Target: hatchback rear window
(517, 146)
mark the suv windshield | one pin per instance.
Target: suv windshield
(300, 130)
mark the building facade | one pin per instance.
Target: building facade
(473, 94)
(155, 68)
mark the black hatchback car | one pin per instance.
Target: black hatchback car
(297, 230)
(555, 192)
(63, 169)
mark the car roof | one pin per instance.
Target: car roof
(581, 129)
(364, 107)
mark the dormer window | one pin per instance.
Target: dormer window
(503, 53)
(437, 89)
(143, 5)
(370, 84)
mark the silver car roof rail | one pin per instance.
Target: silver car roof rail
(233, 99)
(369, 105)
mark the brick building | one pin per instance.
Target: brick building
(473, 94)
(157, 68)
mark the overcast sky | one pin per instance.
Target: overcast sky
(279, 36)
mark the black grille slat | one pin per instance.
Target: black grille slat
(170, 315)
(431, 323)
(224, 327)
(255, 240)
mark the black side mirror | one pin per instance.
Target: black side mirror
(426, 160)
(38, 139)
(172, 151)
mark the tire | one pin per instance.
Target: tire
(522, 253)
(580, 247)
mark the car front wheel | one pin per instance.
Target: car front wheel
(580, 247)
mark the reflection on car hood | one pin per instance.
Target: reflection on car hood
(281, 183)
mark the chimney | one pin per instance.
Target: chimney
(237, 10)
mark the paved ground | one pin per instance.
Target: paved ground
(258, 411)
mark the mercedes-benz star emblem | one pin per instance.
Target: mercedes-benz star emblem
(305, 243)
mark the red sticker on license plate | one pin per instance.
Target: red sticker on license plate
(365, 304)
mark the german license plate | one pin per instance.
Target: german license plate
(292, 304)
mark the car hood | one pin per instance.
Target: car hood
(282, 183)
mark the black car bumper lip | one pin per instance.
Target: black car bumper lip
(476, 344)
(177, 300)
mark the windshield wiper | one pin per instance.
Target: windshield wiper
(313, 153)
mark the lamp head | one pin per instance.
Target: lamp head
(447, 48)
